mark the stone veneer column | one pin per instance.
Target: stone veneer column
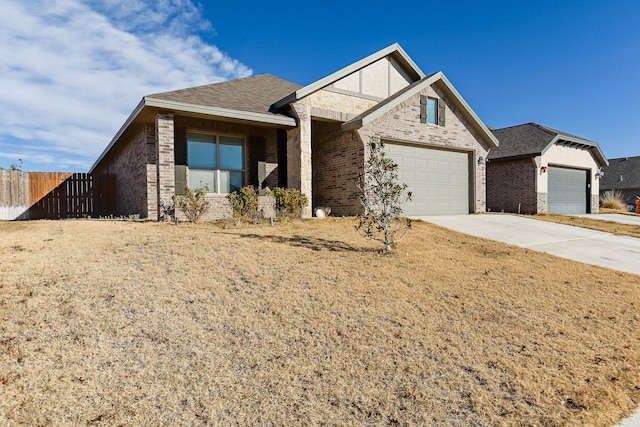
(165, 159)
(299, 154)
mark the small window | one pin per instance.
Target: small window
(432, 111)
(215, 161)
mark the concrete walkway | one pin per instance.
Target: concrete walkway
(579, 244)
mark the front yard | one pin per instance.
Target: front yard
(304, 323)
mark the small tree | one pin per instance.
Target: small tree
(193, 203)
(382, 198)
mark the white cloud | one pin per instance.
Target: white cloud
(73, 70)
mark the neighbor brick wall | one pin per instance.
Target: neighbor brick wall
(402, 124)
(338, 159)
(629, 194)
(512, 183)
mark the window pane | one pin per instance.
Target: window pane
(236, 181)
(198, 178)
(432, 111)
(231, 181)
(201, 150)
(231, 153)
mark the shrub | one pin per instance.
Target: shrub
(613, 200)
(192, 203)
(244, 203)
(382, 197)
(289, 201)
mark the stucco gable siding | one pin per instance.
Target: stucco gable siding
(337, 106)
(380, 80)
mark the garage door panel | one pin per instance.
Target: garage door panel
(438, 179)
(567, 191)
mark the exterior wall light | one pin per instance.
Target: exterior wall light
(544, 169)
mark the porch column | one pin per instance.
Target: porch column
(165, 159)
(299, 154)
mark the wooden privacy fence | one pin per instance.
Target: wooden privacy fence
(55, 195)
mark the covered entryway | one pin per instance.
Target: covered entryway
(438, 179)
(568, 190)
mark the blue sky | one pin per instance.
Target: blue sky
(73, 70)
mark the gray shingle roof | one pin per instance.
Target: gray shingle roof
(254, 94)
(531, 140)
(528, 139)
(628, 167)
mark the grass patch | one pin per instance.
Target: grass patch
(593, 224)
(125, 323)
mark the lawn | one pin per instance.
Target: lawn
(305, 323)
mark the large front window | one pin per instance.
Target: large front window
(215, 161)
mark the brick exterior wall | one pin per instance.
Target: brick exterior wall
(165, 158)
(129, 164)
(338, 159)
(512, 183)
(402, 124)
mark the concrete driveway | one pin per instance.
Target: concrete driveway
(579, 244)
(620, 218)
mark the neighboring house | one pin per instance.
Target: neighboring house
(622, 175)
(537, 169)
(268, 132)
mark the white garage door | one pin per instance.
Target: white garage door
(437, 179)
(567, 191)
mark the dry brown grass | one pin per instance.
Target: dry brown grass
(304, 323)
(593, 224)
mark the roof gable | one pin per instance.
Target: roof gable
(531, 140)
(441, 81)
(622, 173)
(377, 76)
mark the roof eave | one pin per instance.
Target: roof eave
(349, 69)
(134, 114)
(512, 158)
(594, 148)
(201, 110)
(480, 126)
(226, 113)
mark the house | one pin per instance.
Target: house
(267, 132)
(622, 175)
(537, 169)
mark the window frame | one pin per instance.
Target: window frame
(438, 110)
(217, 169)
(435, 102)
